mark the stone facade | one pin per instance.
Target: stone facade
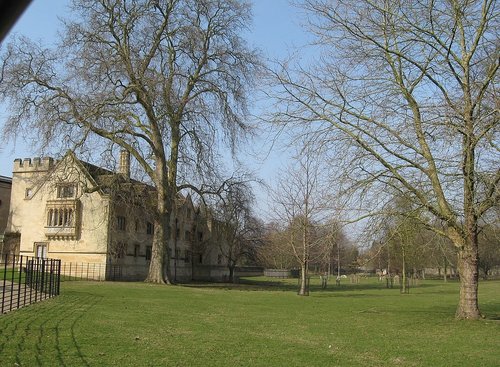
(5, 191)
(81, 213)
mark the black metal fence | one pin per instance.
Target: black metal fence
(83, 271)
(109, 271)
(25, 280)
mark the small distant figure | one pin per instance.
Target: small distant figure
(396, 279)
(337, 281)
(354, 279)
(324, 280)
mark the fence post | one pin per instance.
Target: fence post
(58, 276)
(20, 281)
(4, 280)
(12, 281)
(37, 282)
(51, 278)
(29, 274)
(42, 286)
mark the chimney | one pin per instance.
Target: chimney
(124, 168)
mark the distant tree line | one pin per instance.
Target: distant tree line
(403, 245)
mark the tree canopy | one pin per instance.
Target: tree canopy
(166, 80)
(407, 91)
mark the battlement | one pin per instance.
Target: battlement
(36, 164)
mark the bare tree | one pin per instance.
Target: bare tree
(404, 235)
(299, 202)
(410, 90)
(240, 230)
(274, 252)
(489, 251)
(166, 80)
(333, 247)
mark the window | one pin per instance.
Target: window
(61, 217)
(136, 225)
(177, 233)
(41, 249)
(177, 253)
(219, 259)
(200, 236)
(28, 193)
(66, 190)
(148, 252)
(150, 228)
(119, 251)
(137, 249)
(120, 223)
(200, 258)
(188, 256)
(186, 235)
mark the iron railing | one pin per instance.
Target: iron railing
(25, 280)
(83, 271)
(100, 272)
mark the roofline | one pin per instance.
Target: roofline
(5, 179)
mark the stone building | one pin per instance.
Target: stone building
(84, 214)
(5, 190)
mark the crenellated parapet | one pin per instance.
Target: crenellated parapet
(36, 164)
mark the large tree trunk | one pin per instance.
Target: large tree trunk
(166, 174)
(468, 270)
(159, 267)
(468, 307)
(156, 265)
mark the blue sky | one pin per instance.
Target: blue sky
(275, 31)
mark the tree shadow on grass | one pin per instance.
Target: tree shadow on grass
(246, 286)
(490, 311)
(292, 285)
(44, 333)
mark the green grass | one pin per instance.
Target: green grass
(12, 275)
(257, 323)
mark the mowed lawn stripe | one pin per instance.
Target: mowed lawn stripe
(258, 323)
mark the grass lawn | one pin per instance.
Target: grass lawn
(258, 323)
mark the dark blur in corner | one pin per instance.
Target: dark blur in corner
(10, 11)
